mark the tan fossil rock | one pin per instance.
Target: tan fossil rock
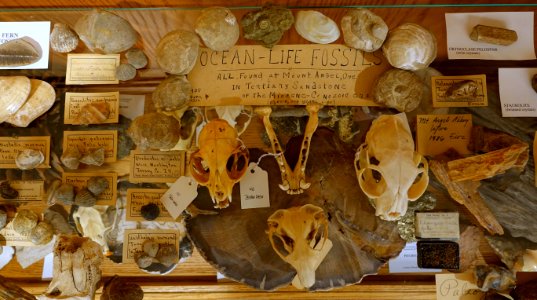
(218, 28)
(363, 30)
(63, 39)
(40, 100)
(410, 47)
(155, 131)
(399, 89)
(177, 52)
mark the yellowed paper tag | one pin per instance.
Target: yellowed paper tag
(134, 239)
(285, 75)
(438, 133)
(156, 166)
(11, 146)
(254, 188)
(180, 195)
(89, 141)
(29, 191)
(75, 101)
(91, 69)
(457, 286)
(80, 180)
(136, 198)
(459, 91)
(9, 237)
(437, 225)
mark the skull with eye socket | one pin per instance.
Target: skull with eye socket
(389, 171)
(302, 240)
(220, 162)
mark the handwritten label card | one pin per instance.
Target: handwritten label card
(457, 286)
(75, 101)
(156, 166)
(254, 188)
(91, 69)
(437, 225)
(88, 141)
(459, 91)
(29, 191)
(80, 180)
(438, 133)
(517, 96)
(9, 237)
(38, 32)
(136, 198)
(11, 146)
(134, 239)
(180, 195)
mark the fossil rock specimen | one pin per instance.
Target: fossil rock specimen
(267, 25)
(25, 221)
(167, 255)
(410, 47)
(3, 218)
(399, 89)
(14, 91)
(363, 30)
(316, 27)
(154, 131)
(97, 185)
(71, 158)
(143, 260)
(150, 247)
(56, 216)
(121, 289)
(29, 159)
(63, 39)
(7, 191)
(218, 28)
(93, 158)
(89, 223)
(85, 198)
(173, 93)
(493, 35)
(65, 194)
(41, 234)
(40, 100)
(93, 113)
(150, 211)
(494, 277)
(125, 72)
(177, 52)
(20, 52)
(136, 57)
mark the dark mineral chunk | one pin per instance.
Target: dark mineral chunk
(7, 191)
(438, 255)
(150, 211)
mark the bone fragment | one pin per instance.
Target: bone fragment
(493, 35)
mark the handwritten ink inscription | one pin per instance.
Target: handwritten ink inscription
(442, 225)
(438, 133)
(75, 101)
(29, 191)
(157, 166)
(460, 286)
(11, 146)
(91, 69)
(134, 239)
(88, 141)
(80, 180)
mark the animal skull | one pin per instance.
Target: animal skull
(293, 179)
(303, 231)
(389, 171)
(220, 162)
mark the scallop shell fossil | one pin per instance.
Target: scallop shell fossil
(85, 198)
(63, 39)
(363, 30)
(97, 185)
(399, 89)
(410, 47)
(177, 52)
(40, 100)
(28, 159)
(316, 27)
(25, 221)
(155, 131)
(20, 52)
(173, 93)
(136, 58)
(14, 91)
(218, 28)
(125, 72)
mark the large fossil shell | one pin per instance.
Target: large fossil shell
(41, 234)
(173, 93)
(121, 289)
(106, 32)
(410, 47)
(14, 91)
(29, 159)
(136, 57)
(155, 131)
(399, 89)
(20, 52)
(25, 221)
(267, 25)
(40, 100)
(63, 39)
(363, 30)
(218, 28)
(316, 27)
(177, 52)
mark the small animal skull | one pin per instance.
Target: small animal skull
(389, 171)
(303, 231)
(220, 162)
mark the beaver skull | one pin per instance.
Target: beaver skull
(389, 171)
(220, 162)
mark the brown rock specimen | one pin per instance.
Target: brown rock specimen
(177, 52)
(155, 131)
(494, 277)
(10, 291)
(493, 35)
(469, 247)
(119, 288)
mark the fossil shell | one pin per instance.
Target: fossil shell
(363, 30)
(20, 52)
(316, 27)
(14, 91)
(494, 277)
(143, 260)
(150, 247)
(410, 47)
(125, 72)
(85, 198)
(95, 158)
(173, 93)
(29, 159)
(155, 130)
(3, 218)
(63, 39)
(218, 28)
(177, 52)
(97, 185)
(71, 158)
(41, 234)
(93, 113)
(25, 221)
(7, 192)
(136, 58)
(167, 255)
(106, 32)
(399, 89)
(121, 289)
(40, 100)
(267, 25)
(150, 211)
(57, 216)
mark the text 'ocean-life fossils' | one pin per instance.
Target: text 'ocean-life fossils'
(220, 162)
(363, 30)
(14, 91)
(267, 25)
(218, 28)
(410, 47)
(28, 159)
(399, 89)
(40, 100)
(316, 27)
(155, 131)
(63, 39)
(389, 171)
(177, 52)
(493, 35)
(303, 232)
(20, 52)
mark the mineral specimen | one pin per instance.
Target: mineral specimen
(28, 159)
(267, 25)
(218, 28)
(154, 131)
(493, 35)
(177, 52)
(363, 30)
(410, 47)
(316, 27)
(150, 211)
(63, 39)
(399, 89)
(25, 221)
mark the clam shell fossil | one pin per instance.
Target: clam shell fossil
(218, 28)
(71, 158)
(399, 89)
(177, 52)
(410, 47)
(14, 91)
(20, 52)
(65, 194)
(40, 100)
(363, 30)
(125, 72)
(173, 93)
(97, 185)
(29, 159)
(150, 247)
(167, 255)
(25, 221)
(93, 113)
(136, 57)
(94, 158)
(143, 260)
(41, 234)
(316, 27)
(267, 25)
(63, 39)
(85, 198)
(155, 131)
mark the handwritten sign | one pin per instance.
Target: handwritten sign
(440, 225)
(136, 198)
(29, 191)
(254, 188)
(156, 166)
(91, 69)
(285, 75)
(88, 141)
(75, 101)
(80, 180)
(11, 146)
(9, 237)
(438, 133)
(180, 195)
(459, 91)
(134, 239)
(457, 286)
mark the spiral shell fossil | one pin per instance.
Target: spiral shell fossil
(316, 27)
(410, 47)
(363, 30)
(177, 52)
(63, 39)
(399, 89)
(218, 28)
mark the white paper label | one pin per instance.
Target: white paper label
(437, 225)
(407, 261)
(460, 286)
(48, 267)
(254, 188)
(182, 192)
(516, 94)
(37, 31)
(6, 256)
(131, 106)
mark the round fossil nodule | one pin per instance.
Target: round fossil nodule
(218, 28)
(177, 52)
(155, 131)
(28, 159)
(136, 57)
(167, 255)
(143, 260)
(316, 27)
(399, 89)
(150, 211)
(173, 93)
(7, 191)
(410, 47)
(25, 221)
(97, 185)
(267, 25)
(65, 194)
(363, 30)
(85, 198)
(63, 39)
(120, 289)
(41, 234)
(125, 72)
